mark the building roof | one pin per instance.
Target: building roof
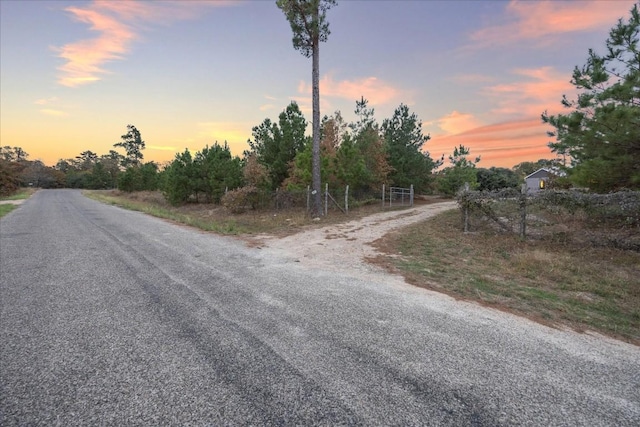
(540, 173)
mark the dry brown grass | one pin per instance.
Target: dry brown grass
(216, 218)
(554, 283)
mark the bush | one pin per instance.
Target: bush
(241, 199)
(9, 177)
(450, 180)
(129, 179)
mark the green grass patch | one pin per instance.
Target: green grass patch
(5, 209)
(23, 193)
(556, 283)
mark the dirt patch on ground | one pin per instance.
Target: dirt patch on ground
(347, 246)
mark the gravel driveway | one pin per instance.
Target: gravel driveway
(345, 247)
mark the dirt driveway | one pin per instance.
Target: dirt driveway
(345, 247)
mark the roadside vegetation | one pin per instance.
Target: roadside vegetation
(23, 193)
(218, 219)
(5, 209)
(555, 282)
(20, 194)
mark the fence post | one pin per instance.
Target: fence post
(523, 211)
(346, 199)
(308, 196)
(326, 199)
(383, 195)
(411, 196)
(466, 207)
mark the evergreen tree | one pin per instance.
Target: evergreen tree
(404, 143)
(462, 170)
(601, 134)
(217, 170)
(276, 145)
(310, 27)
(133, 145)
(179, 179)
(496, 178)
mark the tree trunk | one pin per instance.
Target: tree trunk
(316, 209)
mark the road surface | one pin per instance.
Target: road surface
(111, 317)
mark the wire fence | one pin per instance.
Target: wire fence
(334, 200)
(611, 220)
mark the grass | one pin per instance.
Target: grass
(5, 209)
(217, 219)
(150, 203)
(557, 284)
(22, 194)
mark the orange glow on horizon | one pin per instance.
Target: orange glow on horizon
(500, 145)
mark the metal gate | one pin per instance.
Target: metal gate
(398, 196)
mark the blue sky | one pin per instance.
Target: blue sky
(189, 73)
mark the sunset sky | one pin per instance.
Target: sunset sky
(190, 73)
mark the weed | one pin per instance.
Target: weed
(556, 282)
(22, 194)
(5, 209)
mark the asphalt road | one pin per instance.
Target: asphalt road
(110, 317)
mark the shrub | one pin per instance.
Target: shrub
(241, 199)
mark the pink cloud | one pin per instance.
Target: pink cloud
(541, 89)
(117, 24)
(518, 133)
(456, 122)
(540, 20)
(503, 144)
(85, 57)
(376, 91)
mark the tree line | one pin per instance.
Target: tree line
(363, 154)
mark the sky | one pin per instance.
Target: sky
(74, 74)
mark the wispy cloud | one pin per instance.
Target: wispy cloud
(472, 78)
(267, 107)
(118, 25)
(375, 90)
(45, 101)
(54, 113)
(540, 21)
(456, 122)
(514, 108)
(503, 144)
(534, 91)
(162, 147)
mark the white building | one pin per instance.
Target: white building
(538, 180)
